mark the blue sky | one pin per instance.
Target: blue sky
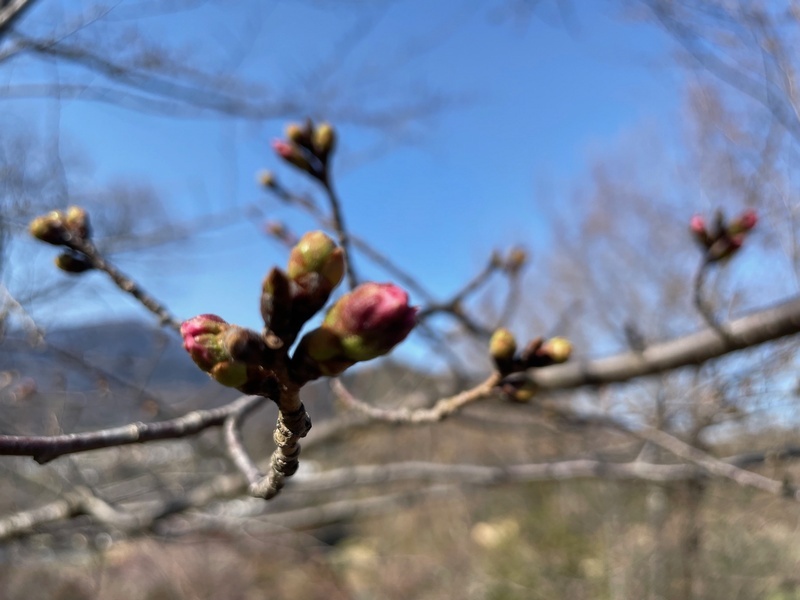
(534, 99)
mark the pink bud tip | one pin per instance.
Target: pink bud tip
(282, 148)
(698, 224)
(748, 219)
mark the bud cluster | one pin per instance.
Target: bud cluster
(722, 239)
(538, 353)
(308, 146)
(69, 229)
(364, 324)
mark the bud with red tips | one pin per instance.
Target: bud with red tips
(293, 155)
(232, 355)
(371, 320)
(364, 324)
(697, 225)
(743, 223)
(724, 239)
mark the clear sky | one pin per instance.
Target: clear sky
(531, 99)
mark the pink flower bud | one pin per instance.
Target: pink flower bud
(697, 226)
(292, 154)
(744, 223)
(371, 320)
(234, 356)
(201, 339)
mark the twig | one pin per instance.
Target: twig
(756, 328)
(685, 451)
(11, 11)
(442, 409)
(125, 283)
(339, 227)
(46, 448)
(292, 425)
(703, 307)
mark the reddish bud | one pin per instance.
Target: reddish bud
(293, 155)
(697, 225)
(744, 223)
(371, 320)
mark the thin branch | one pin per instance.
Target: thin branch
(339, 227)
(46, 448)
(125, 283)
(11, 12)
(441, 410)
(757, 328)
(703, 307)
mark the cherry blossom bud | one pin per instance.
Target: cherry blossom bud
(317, 253)
(73, 263)
(324, 140)
(267, 179)
(371, 320)
(502, 345)
(516, 259)
(50, 228)
(76, 220)
(224, 351)
(744, 223)
(697, 225)
(293, 155)
(557, 349)
(297, 133)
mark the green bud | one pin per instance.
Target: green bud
(557, 349)
(73, 263)
(324, 140)
(317, 253)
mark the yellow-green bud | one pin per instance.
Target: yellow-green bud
(50, 228)
(76, 220)
(502, 345)
(267, 179)
(558, 349)
(73, 263)
(324, 140)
